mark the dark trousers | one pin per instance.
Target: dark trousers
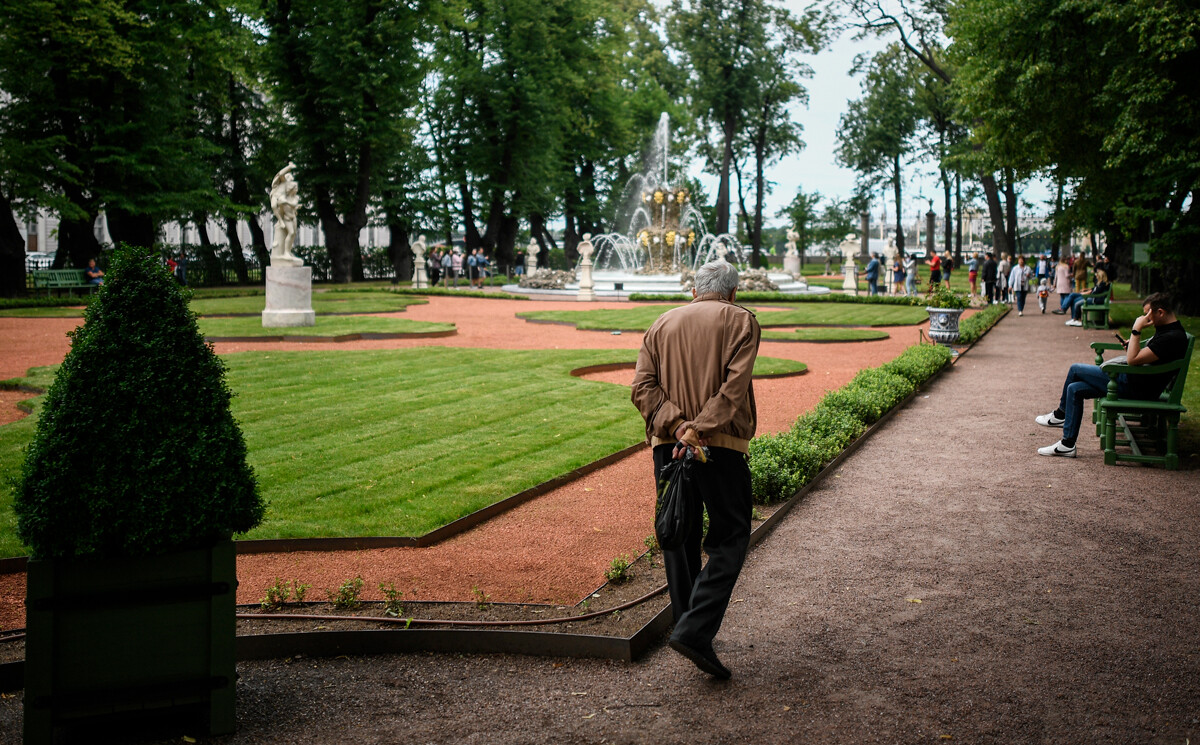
(699, 597)
(989, 291)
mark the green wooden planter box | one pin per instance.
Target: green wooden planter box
(118, 642)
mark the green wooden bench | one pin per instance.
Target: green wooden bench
(1095, 315)
(61, 279)
(1139, 427)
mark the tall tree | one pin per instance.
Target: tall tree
(347, 74)
(876, 133)
(725, 44)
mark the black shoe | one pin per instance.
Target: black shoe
(1058, 312)
(705, 660)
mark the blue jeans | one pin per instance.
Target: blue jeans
(910, 285)
(1083, 382)
(1066, 301)
(1020, 299)
(1077, 306)
(872, 288)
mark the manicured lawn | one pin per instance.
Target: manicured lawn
(640, 318)
(247, 301)
(325, 326)
(826, 334)
(400, 442)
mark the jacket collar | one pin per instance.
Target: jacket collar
(709, 296)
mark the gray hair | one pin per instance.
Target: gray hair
(717, 276)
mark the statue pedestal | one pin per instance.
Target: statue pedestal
(420, 278)
(289, 297)
(850, 278)
(791, 264)
(587, 288)
(530, 265)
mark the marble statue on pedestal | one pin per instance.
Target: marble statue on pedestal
(791, 259)
(420, 276)
(289, 282)
(587, 290)
(849, 249)
(531, 254)
(285, 203)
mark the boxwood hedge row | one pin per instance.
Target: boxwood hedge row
(781, 463)
(970, 329)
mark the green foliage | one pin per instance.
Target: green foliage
(618, 569)
(481, 598)
(782, 463)
(940, 296)
(348, 595)
(392, 603)
(972, 328)
(279, 592)
(651, 543)
(136, 451)
(640, 318)
(825, 335)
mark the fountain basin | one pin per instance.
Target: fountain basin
(653, 284)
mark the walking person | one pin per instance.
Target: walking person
(1080, 270)
(872, 275)
(692, 387)
(456, 265)
(1062, 278)
(947, 267)
(910, 275)
(935, 271)
(1003, 268)
(1018, 283)
(898, 276)
(1043, 268)
(989, 278)
(973, 275)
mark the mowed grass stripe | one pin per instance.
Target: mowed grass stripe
(398, 464)
(641, 318)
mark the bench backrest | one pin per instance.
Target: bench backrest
(1174, 391)
(50, 278)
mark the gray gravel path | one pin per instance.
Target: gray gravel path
(1058, 602)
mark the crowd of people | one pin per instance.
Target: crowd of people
(1000, 279)
(446, 265)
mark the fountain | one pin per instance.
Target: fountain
(662, 238)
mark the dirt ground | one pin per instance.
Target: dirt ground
(948, 584)
(553, 549)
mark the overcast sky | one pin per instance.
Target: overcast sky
(814, 169)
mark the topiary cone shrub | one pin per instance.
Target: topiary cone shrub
(136, 452)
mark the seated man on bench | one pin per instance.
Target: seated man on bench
(1168, 344)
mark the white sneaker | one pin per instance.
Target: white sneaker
(1049, 420)
(1057, 449)
(1020, 313)
(1073, 322)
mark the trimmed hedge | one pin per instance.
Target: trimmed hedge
(136, 452)
(781, 297)
(970, 329)
(782, 463)
(60, 301)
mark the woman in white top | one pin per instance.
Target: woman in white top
(1018, 283)
(1002, 284)
(910, 275)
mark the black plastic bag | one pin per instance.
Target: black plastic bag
(673, 510)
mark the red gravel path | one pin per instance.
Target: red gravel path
(553, 549)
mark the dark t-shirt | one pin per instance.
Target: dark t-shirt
(1169, 343)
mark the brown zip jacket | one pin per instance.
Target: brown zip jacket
(694, 368)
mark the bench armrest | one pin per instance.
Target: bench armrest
(1100, 346)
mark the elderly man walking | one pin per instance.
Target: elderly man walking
(692, 387)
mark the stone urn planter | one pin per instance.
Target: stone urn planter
(943, 325)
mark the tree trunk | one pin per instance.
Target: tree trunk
(471, 237)
(507, 241)
(958, 219)
(400, 249)
(259, 240)
(235, 251)
(1010, 202)
(1056, 236)
(12, 252)
(212, 265)
(135, 230)
(996, 213)
(949, 228)
(760, 188)
(896, 190)
(341, 241)
(723, 189)
(76, 243)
